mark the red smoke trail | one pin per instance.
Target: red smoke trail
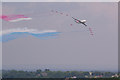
(91, 32)
(71, 24)
(14, 17)
(59, 12)
(66, 14)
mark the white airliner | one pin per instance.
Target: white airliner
(80, 21)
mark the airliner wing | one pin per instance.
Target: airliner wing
(84, 24)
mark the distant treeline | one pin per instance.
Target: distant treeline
(56, 74)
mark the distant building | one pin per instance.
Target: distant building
(116, 75)
(74, 77)
(90, 73)
(100, 76)
(38, 75)
(86, 76)
(44, 74)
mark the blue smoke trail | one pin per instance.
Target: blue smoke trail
(15, 35)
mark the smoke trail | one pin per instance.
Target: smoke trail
(15, 18)
(12, 34)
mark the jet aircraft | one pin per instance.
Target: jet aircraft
(80, 21)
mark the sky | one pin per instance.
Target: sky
(73, 48)
(59, 0)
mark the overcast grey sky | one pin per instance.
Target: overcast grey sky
(74, 48)
(59, 0)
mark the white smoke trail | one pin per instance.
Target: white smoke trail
(20, 19)
(34, 31)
